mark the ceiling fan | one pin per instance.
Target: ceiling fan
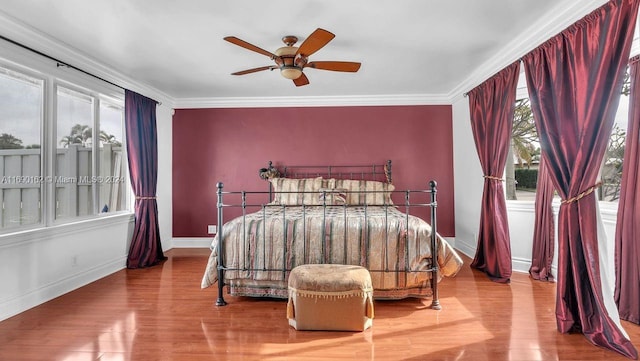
(291, 60)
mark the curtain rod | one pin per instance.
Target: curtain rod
(60, 63)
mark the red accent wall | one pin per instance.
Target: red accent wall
(231, 145)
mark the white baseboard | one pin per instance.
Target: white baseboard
(16, 305)
(194, 242)
(465, 247)
(520, 265)
(451, 241)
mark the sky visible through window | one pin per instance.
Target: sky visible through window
(20, 107)
(20, 110)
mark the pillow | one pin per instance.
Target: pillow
(293, 192)
(361, 192)
(332, 196)
(328, 183)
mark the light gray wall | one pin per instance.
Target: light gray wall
(468, 181)
(39, 265)
(164, 119)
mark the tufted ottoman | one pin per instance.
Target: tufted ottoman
(330, 297)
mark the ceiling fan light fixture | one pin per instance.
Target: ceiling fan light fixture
(286, 51)
(291, 72)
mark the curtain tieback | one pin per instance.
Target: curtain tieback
(493, 178)
(146, 197)
(581, 195)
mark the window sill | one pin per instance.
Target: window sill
(608, 210)
(520, 205)
(35, 234)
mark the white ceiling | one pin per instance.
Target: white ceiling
(431, 50)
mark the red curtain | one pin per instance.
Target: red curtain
(627, 239)
(574, 83)
(544, 227)
(142, 151)
(492, 105)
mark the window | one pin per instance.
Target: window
(521, 173)
(21, 116)
(611, 169)
(63, 165)
(74, 157)
(113, 196)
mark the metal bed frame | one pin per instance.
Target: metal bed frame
(366, 172)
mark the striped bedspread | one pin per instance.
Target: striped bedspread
(393, 246)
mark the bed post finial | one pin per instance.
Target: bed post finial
(387, 171)
(269, 172)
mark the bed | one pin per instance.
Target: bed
(329, 214)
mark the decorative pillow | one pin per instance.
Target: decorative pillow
(292, 192)
(328, 183)
(361, 192)
(333, 196)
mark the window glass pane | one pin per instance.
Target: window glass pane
(21, 102)
(611, 169)
(111, 177)
(74, 138)
(525, 154)
(523, 160)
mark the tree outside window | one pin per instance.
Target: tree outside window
(524, 154)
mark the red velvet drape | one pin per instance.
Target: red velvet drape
(574, 83)
(492, 105)
(627, 241)
(544, 227)
(142, 151)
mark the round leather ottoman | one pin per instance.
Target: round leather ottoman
(330, 297)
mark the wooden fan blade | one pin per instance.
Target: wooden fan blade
(302, 80)
(334, 65)
(244, 44)
(315, 42)
(243, 72)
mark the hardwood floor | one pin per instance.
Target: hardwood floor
(161, 313)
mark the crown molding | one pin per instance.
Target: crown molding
(539, 32)
(22, 33)
(319, 101)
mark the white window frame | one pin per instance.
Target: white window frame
(54, 75)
